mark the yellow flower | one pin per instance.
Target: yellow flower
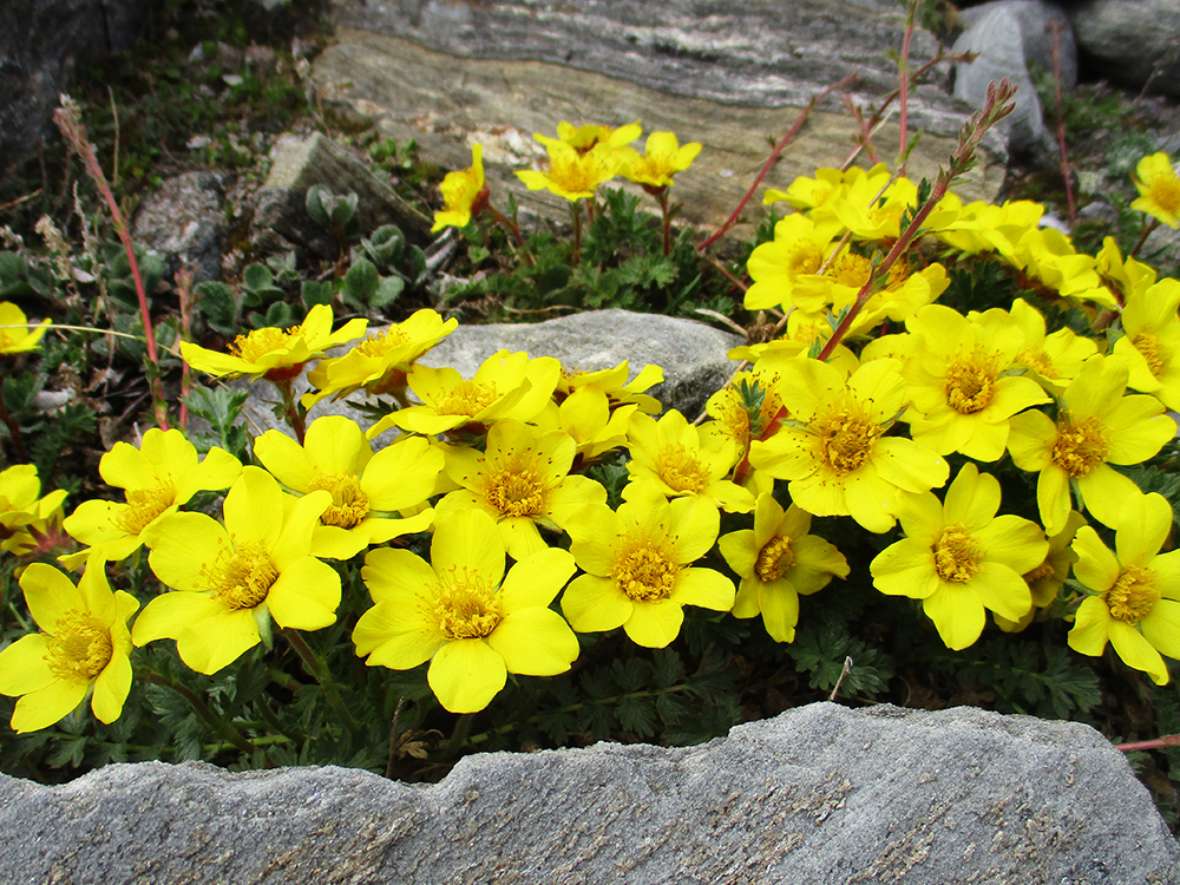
(157, 478)
(522, 479)
(589, 135)
(84, 648)
(1046, 254)
(1136, 601)
(750, 407)
(463, 615)
(808, 193)
(959, 558)
(572, 175)
(962, 399)
(870, 213)
(664, 156)
(832, 447)
(367, 490)
(1054, 359)
(639, 569)
(777, 562)
(984, 227)
(672, 458)
(380, 362)
(462, 192)
(1159, 188)
(799, 248)
(1096, 426)
(506, 385)
(229, 582)
(1046, 580)
(279, 354)
(16, 335)
(1121, 277)
(24, 514)
(614, 384)
(1151, 345)
(586, 415)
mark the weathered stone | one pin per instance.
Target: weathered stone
(692, 354)
(1013, 38)
(40, 43)
(297, 163)
(731, 76)
(184, 219)
(1133, 42)
(822, 793)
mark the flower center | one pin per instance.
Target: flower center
(1148, 345)
(846, 440)
(645, 572)
(957, 556)
(1133, 595)
(774, 559)
(80, 648)
(349, 505)
(1042, 571)
(466, 606)
(260, 342)
(467, 398)
(1038, 361)
(144, 505)
(1080, 447)
(246, 578)
(851, 270)
(575, 173)
(970, 383)
(682, 470)
(1166, 192)
(379, 345)
(516, 492)
(804, 258)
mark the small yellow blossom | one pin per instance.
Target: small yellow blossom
(573, 175)
(460, 612)
(1159, 188)
(228, 582)
(639, 572)
(959, 558)
(587, 136)
(17, 335)
(462, 191)
(1136, 590)
(614, 384)
(24, 513)
(663, 158)
(799, 248)
(157, 478)
(1054, 359)
(368, 491)
(778, 561)
(1046, 580)
(83, 648)
(278, 354)
(1151, 343)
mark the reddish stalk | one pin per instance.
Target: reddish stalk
(184, 294)
(903, 88)
(866, 136)
(1147, 230)
(1159, 743)
(66, 118)
(1066, 178)
(997, 106)
(780, 146)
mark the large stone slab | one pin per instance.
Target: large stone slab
(732, 76)
(1133, 42)
(822, 793)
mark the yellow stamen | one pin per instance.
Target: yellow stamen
(851, 270)
(803, 258)
(467, 398)
(246, 578)
(79, 648)
(1133, 595)
(970, 383)
(846, 438)
(466, 606)
(774, 559)
(260, 342)
(516, 491)
(1148, 345)
(645, 572)
(379, 345)
(1042, 571)
(682, 470)
(1038, 361)
(957, 556)
(1165, 192)
(350, 505)
(1080, 447)
(144, 505)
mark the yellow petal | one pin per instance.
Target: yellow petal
(780, 610)
(336, 445)
(23, 666)
(396, 637)
(402, 475)
(170, 614)
(703, 587)
(1053, 503)
(465, 675)
(534, 642)
(217, 642)
(1017, 543)
(298, 526)
(1096, 566)
(469, 539)
(253, 508)
(1031, 440)
(397, 576)
(1143, 528)
(536, 580)
(905, 568)
(973, 498)
(695, 523)
(1091, 627)
(1002, 590)
(111, 689)
(654, 624)
(1162, 627)
(957, 614)
(286, 459)
(739, 551)
(49, 594)
(1107, 494)
(1137, 652)
(184, 547)
(592, 604)
(45, 706)
(305, 596)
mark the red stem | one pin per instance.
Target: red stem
(866, 135)
(1159, 743)
(777, 151)
(903, 90)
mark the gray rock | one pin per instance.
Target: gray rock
(297, 163)
(730, 76)
(1012, 38)
(41, 41)
(1133, 42)
(184, 219)
(822, 793)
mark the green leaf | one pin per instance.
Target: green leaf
(313, 292)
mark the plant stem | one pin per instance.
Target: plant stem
(666, 210)
(319, 671)
(775, 154)
(1147, 231)
(14, 434)
(220, 724)
(903, 88)
(286, 388)
(576, 213)
(391, 759)
(1159, 743)
(507, 223)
